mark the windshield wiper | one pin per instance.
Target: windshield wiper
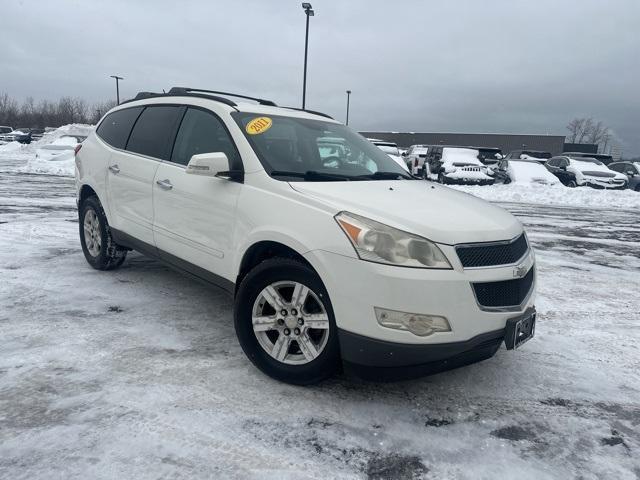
(387, 176)
(312, 175)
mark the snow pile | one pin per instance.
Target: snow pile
(64, 166)
(12, 147)
(555, 195)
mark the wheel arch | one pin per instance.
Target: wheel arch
(263, 250)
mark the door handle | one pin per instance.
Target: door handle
(165, 184)
(114, 168)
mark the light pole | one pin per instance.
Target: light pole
(348, 95)
(309, 13)
(117, 87)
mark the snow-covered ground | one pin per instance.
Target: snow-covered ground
(137, 373)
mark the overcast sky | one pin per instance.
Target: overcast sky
(443, 66)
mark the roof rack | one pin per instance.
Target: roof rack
(187, 91)
(174, 93)
(309, 111)
(199, 92)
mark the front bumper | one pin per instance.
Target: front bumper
(604, 185)
(355, 287)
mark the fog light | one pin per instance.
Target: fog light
(418, 324)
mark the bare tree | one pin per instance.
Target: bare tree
(576, 129)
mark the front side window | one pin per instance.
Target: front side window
(153, 133)
(116, 127)
(202, 132)
(314, 150)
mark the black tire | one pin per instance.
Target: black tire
(572, 184)
(441, 178)
(110, 255)
(326, 364)
(637, 188)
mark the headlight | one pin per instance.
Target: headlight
(376, 242)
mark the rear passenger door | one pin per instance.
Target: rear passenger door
(132, 172)
(195, 215)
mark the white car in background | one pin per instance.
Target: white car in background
(61, 149)
(415, 157)
(523, 172)
(392, 150)
(458, 165)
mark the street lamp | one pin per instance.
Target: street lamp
(309, 13)
(117, 87)
(348, 95)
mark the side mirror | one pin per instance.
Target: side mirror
(630, 173)
(215, 164)
(562, 167)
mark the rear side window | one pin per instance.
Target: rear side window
(203, 132)
(116, 126)
(153, 133)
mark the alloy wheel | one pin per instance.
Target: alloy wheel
(92, 232)
(290, 322)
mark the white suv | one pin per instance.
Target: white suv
(332, 261)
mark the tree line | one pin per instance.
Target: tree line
(46, 113)
(587, 130)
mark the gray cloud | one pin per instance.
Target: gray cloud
(499, 66)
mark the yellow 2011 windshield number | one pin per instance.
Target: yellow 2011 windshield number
(258, 125)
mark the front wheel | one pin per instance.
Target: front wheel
(572, 184)
(285, 323)
(99, 249)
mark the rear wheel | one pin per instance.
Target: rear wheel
(285, 323)
(572, 184)
(99, 249)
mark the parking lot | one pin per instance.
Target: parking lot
(137, 373)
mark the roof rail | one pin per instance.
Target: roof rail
(145, 95)
(187, 90)
(309, 111)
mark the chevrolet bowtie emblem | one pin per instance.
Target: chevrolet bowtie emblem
(519, 271)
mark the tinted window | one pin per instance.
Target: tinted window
(154, 131)
(554, 162)
(618, 167)
(116, 126)
(202, 132)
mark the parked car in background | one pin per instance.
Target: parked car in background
(631, 170)
(577, 172)
(415, 157)
(22, 135)
(538, 155)
(392, 150)
(4, 130)
(37, 133)
(603, 157)
(456, 165)
(63, 148)
(523, 171)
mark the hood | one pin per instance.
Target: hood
(433, 211)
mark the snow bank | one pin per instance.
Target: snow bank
(555, 195)
(66, 167)
(11, 147)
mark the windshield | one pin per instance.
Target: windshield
(390, 149)
(299, 149)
